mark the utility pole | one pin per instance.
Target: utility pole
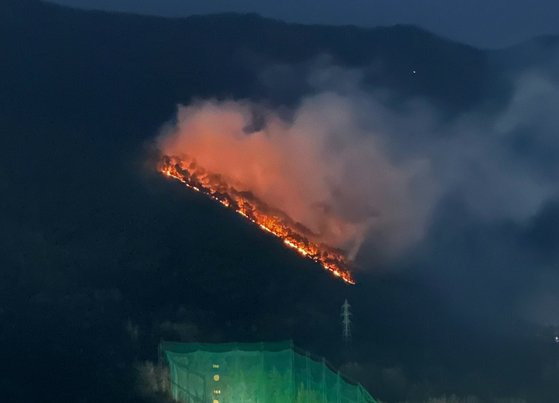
(346, 321)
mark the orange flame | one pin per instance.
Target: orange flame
(294, 235)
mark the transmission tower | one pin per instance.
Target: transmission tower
(346, 321)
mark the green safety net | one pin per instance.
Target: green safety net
(255, 373)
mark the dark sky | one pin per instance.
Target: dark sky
(493, 23)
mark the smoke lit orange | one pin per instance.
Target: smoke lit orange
(269, 219)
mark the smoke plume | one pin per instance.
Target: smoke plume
(324, 165)
(355, 166)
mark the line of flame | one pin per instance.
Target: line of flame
(171, 166)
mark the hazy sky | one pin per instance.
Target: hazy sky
(486, 23)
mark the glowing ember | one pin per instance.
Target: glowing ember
(269, 219)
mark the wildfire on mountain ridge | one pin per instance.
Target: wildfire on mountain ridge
(272, 220)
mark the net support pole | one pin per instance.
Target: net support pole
(338, 387)
(323, 380)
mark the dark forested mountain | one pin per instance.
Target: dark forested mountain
(100, 258)
(128, 62)
(539, 53)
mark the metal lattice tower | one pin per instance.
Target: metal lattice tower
(346, 321)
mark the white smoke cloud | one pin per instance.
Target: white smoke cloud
(351, 168)
(497, 162)
(325, 166)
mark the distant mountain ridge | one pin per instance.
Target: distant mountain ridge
(541, 52)
(171, 60)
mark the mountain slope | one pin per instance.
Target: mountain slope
(101, 257)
